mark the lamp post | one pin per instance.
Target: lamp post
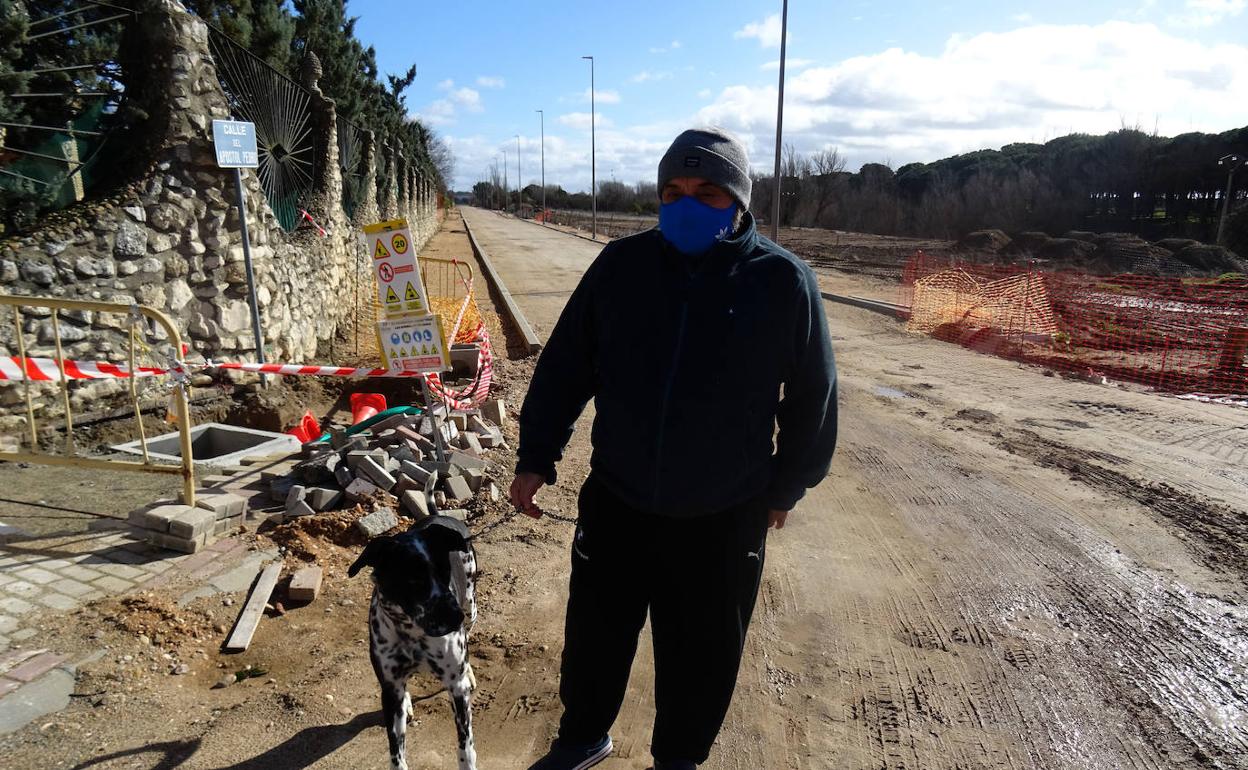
(519, 178)
(539, 112)
(506, 200)
(775, 203)
(1231, 162)
(593, 173)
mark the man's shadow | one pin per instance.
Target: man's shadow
(300, 750)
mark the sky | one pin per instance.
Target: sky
(885, 82)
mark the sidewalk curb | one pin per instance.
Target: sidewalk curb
(510, 307)
(878, 306)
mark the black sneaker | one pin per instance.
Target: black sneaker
(564, 757)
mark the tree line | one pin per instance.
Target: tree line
(1122, 181)
(278, 32)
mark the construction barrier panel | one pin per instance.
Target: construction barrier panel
(27, 370)
(1178, 334)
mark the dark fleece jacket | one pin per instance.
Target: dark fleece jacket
(693, 365)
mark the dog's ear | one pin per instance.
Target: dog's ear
(376, 549)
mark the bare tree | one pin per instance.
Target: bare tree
(442, 157)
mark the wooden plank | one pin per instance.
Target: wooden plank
(253, 610)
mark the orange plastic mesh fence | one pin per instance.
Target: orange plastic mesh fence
(1178, 334)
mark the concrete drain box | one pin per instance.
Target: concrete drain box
(214, 444)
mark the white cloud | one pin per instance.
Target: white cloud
(675, 44)
(986, 90)
(705, 93)
(789, 64)
(1023, 18)
(491, 81)
(446, 85)
(1207, 13)
(672, 46)
(767, 31)
(647, 75)
(467, 98)
(581, 120)
(601, 96)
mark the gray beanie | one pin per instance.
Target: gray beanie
(711, 153)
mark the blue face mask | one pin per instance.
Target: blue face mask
(692, 226)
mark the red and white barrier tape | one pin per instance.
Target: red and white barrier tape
(14, 368)
(46, 370)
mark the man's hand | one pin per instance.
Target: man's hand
(775, 519)
(523, 488)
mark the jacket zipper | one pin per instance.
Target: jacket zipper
(667, 393)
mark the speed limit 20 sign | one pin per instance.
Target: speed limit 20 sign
(399, 288)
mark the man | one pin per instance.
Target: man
(685, 336)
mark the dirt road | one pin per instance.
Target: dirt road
(1004, 569)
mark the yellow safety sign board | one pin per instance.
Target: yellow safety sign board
(413, 344)
(400, 290)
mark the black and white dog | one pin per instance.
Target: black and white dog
(422, 610)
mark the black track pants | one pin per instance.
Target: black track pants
(697, 577)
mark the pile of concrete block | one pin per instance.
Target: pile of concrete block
(188, 528)
(395, 463)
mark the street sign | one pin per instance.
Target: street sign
(413, 344)
(400, 290)
(235, 143)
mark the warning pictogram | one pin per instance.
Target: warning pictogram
(427, 351)
(399, 286)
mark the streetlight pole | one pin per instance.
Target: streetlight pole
(1231, 162)
(519, 178)
(775, 204)
(506, 198)
(593, 170)
(539, 112)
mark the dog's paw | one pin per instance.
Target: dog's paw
(409, 713)
(471, 676)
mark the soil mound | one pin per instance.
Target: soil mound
(991, 241)
(1213, 260)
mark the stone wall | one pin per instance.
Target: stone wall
(171, 238)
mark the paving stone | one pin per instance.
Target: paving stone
(418, 472)
(465, 460)
(492, 439)
(296, 495)
(376, 473)
(279, 488)
(223, 504)
(175, 543)
(8, 624)
(459, 514)
(20, 588)
(123, 571)
(190, 525)
(378, 522)
(35, 575)
(157, 518)
(69, 588)
(35, 667)
(323, 498)
(22, 634)
(343, 475)
(6, 578)
(7, 686)
(11, 605)
(360, 490)
(300, 508)
(404, 484)
(57, 601)
(475, 478)
(457, 488)
(495, 410)
(414, 502)
(305, 585)
(470, 444)
(113, 584)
